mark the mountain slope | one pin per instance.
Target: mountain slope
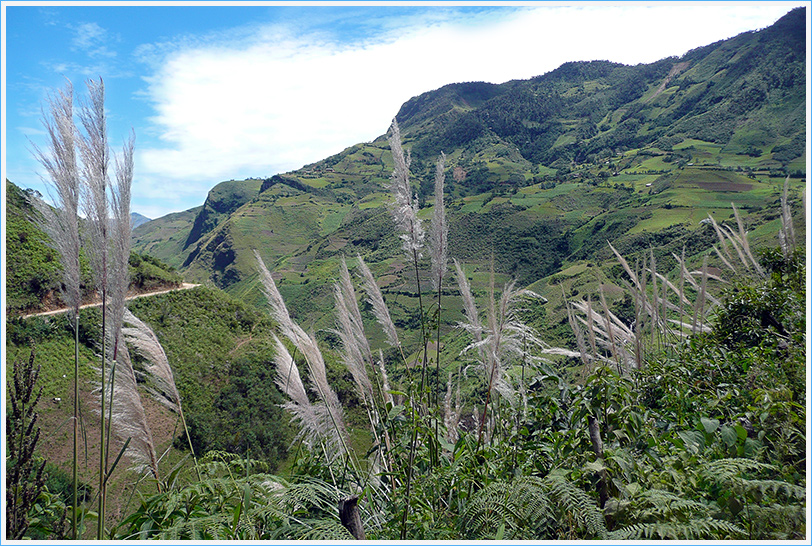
(540, 173)
(34, 272)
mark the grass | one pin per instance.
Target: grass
(668, 217)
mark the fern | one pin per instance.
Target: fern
(735, 474)
(658, 504)
(233, 502)
(577, 504)
(323, 529)
(694, 529)
(518, 506)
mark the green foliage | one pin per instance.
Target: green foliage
(518, 509)
(246, 418)
(24, 479)
(148, 273)
(35, 272)
(32, 512)
(220, 350)
(236, 500)
(767, 312)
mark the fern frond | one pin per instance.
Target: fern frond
(578, 504)
(660, 504)
(519, 505)
(777, 487)
(695, 529)
(727, 470)
(324, 529)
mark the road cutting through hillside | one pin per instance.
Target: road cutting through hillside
(184, 286)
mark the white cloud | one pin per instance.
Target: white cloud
(92, 39)
(272, 100)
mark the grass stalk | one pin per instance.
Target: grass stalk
(102, 455)
(75, 461)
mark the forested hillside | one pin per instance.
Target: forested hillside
(571, 307)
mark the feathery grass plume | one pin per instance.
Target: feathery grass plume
(387, 394)
(379, 309)
(331, 407)
(120, 233)
(404, 210)
(585, 356)
(163, 388)
(655, 307)
(608, 332)
(356, 352)
(438, 236)
(290, 382)
(613, 342)
(506, 339)
(472, 324)
(95, 154)
(639, 282)
(786, 233)
(95, 162)
(405, 206)
(589, 326)
(451, 415)
(438, 239)
(751, 260)
(699, 305)
(61, 225)
(127, 415)
(738, 241)
(144, 342)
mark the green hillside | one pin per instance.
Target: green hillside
(540, 173)
(33, 271)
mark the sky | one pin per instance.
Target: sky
(221, 92)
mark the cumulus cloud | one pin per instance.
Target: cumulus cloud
(274, 99)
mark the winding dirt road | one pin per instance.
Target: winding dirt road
(184, 286)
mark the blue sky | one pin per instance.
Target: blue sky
(228, 92)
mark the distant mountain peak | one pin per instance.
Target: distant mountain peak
(138, 219)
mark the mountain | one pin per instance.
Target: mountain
(540, 173)
(138, 219)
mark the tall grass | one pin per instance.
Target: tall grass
(669, 311)
(326, 419)
(501, 344)
(77, 163)
(61, 225)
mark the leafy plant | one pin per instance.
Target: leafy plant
(24, 477)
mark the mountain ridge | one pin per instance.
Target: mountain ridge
(631, 140)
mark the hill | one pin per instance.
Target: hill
(138, 219)
(33, 272)
(541, 173)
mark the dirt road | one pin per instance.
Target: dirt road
(184, 286)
